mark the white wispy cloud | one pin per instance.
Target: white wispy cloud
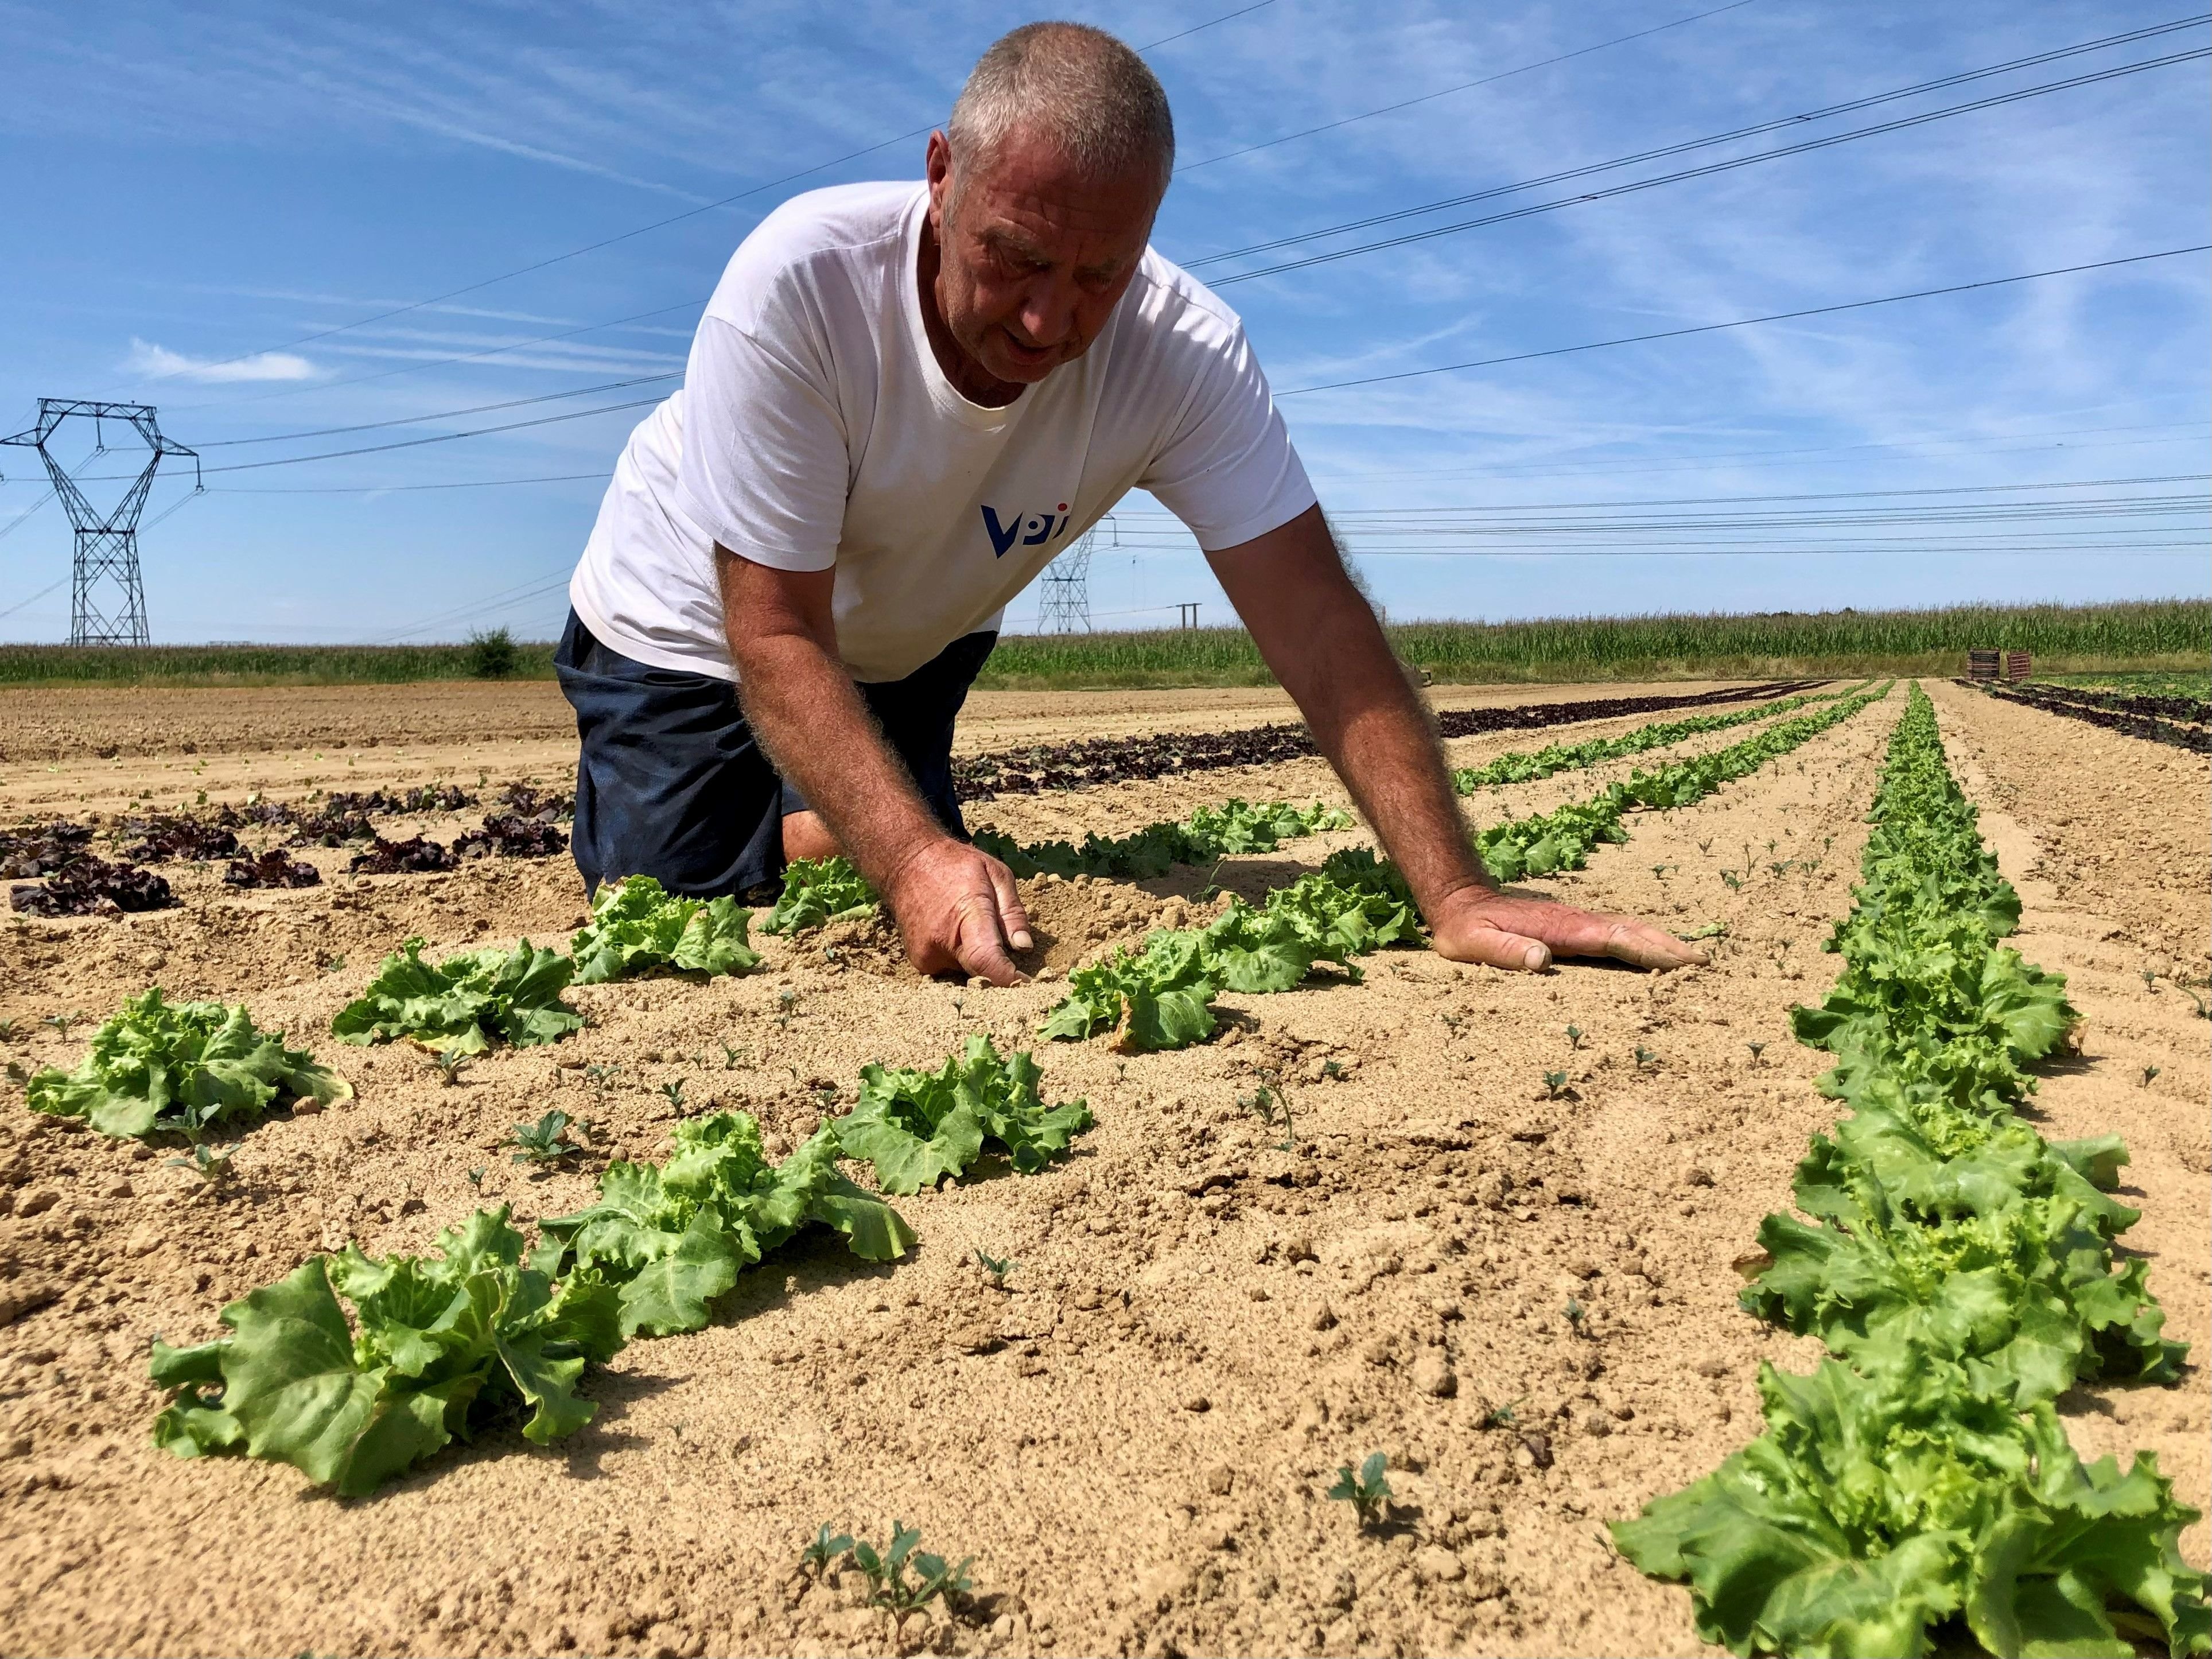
(157, 362)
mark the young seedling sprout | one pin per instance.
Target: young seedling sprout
(1757, 1050)
(213, 1168)
(1659, 873)
(1574, 1036)
(674, 1094)
(1500, 1417)
(1368, 1491)
(2149, 1073)
(2203, 1009)
(2149, 980)
(7, 1030)
(998, 1267)
(61, 1023)
(889, 1588)
(827, 1547)
(601, 1077)
(734, 1059)
(1575, 1312)
(1556, 1082)
(1271, 1108)
(1646, 1058)
(1735, 882)
(475, 1178)
(1331, 1069)
(545, 1141)
(448, 1064)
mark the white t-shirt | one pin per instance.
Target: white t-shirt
(816, 431)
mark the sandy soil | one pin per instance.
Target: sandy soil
(1132, 1440)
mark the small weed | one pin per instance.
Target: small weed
(1368, 1491)
(1757, 1050)
(448, 1064)
(888, 1587)
(475, 1178)
(62, 1022)
(2149, 980)
(2149, 1073)
(1705, 846)
(601, 1077)
(1659, 873)
(2203, 1009)
(673, 1093)
(1735, 882)
(1333, 1069)
(998, 1267)
(1501, 1416)
(1556, 1083)
(735, 1060)
(1574, 1036)
(213, 1168)
(1575, 1312)
(545, 1141)
(332, 963)
(7, 1030)
(1271, 1109)
(1646, 1058)
(827, 1547)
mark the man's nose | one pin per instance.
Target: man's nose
(1049, 311)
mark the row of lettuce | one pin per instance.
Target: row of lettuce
(1159, 995)
(493, 1328)
(1962, 1273)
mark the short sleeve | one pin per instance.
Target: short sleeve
(765, 468)
(1227, 469)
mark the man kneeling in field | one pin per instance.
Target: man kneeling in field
(904, 400)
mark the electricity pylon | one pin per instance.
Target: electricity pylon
(107, 545)
(1064, 606)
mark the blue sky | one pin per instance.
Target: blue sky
(188, 197)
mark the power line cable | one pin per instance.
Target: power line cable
(1464, 86)
(1824, 113)
(445, 414)
(1709, 168)
(658, 224)
(437, 438)
(1743, 322)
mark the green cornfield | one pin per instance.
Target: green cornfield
(2160, 634)
(2168, 634)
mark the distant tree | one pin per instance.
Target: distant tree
(491, 655)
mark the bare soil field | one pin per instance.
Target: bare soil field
(1206, 1316)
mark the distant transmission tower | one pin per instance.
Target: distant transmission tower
(1067, 598)
(107, 602)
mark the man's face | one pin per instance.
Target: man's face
(1032, 256)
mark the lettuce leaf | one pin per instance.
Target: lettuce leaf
(158, 1066)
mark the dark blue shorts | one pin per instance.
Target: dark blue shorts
(670, 783)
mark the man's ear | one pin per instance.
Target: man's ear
(936, 168)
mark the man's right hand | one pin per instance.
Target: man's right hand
(957, 910)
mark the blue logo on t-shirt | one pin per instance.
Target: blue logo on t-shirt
(1034, 529)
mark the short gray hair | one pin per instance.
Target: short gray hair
(1094, 98)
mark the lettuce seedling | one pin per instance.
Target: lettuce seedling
(545, 1141)
(181, 1067)
(674, 1237)
(637, 926)
(817, 892)
(466, 1003)
(917, 1127)
(827, 1547)
(436, 1347)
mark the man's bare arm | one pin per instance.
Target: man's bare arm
(1320, 636)
(956, 907)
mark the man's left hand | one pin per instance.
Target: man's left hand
(1477, 924)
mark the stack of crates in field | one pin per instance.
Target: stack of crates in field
(2016, 665)
(1983, 665)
